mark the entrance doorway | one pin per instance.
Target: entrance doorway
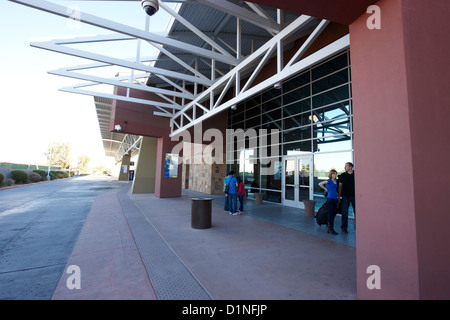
(297, 180)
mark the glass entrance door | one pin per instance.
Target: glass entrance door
(297, 180)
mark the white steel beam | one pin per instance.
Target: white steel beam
(195, 30)
(50, 45)
(243, 13)
(116, 82)
(234, 73)
(127, 30)
(159, 105)
(320, 55)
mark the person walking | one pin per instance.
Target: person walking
(346, 194)
(241, 194)
(331, 187)
(231, 186)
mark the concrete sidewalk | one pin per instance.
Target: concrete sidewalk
(110, 265)
(143, 247)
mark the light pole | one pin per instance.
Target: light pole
(49, 163)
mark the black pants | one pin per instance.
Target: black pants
(332, 205)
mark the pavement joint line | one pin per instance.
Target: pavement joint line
(33, 268)
(169, 276)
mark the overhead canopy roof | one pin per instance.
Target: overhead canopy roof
(212, 47)
(221, 27)
(111, 140)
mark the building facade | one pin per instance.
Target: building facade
(369, 87)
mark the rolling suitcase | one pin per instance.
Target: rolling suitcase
(322, 215)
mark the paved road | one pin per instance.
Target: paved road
(39, 226)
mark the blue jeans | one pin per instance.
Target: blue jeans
(225, 206)
(232, 202)
(241, 202)
(346, 201)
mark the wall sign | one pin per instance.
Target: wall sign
(171, 166)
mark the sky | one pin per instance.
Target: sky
(33, 113)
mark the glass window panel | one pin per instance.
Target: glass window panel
(330, 128)
(323, 163)
(338, 110)
(302, 133)
(270, 105)
(270, 179)
(297, 121)
(272, 115)
(271, 196)
(296, 82)
(248, 175)
(331, 81)
(297, 94)
(269, 126)
(332, 96)
(270, 94)
(239, 125)
(269, 150)
(336, 143)
(297, 107)
(303, 193)
(254, 101)
(253, 123)
(297, 148)
(330, 66)
(250, 113)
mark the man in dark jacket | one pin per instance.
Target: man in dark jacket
(347, 192)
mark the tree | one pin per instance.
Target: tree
(83, 162)
(59, 154)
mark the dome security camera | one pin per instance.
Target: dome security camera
(118, 127)
(150, 6)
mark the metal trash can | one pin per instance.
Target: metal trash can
(259, 198)
(309, 207)
(201, 213)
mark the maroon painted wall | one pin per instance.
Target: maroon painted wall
(340, 11)
(400, 114)
(140, 118)
(427, 50)
(141, 121)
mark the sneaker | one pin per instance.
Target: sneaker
(235, 214)
(231, 212)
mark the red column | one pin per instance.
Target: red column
(401, 79)
(166, 187)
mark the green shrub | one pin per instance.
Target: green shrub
(2, 177)
(34, 177)
(42, 173)
(19, 176)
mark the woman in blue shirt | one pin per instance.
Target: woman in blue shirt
(331, 187)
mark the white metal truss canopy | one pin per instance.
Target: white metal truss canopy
(115, 144)
(212, 47)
